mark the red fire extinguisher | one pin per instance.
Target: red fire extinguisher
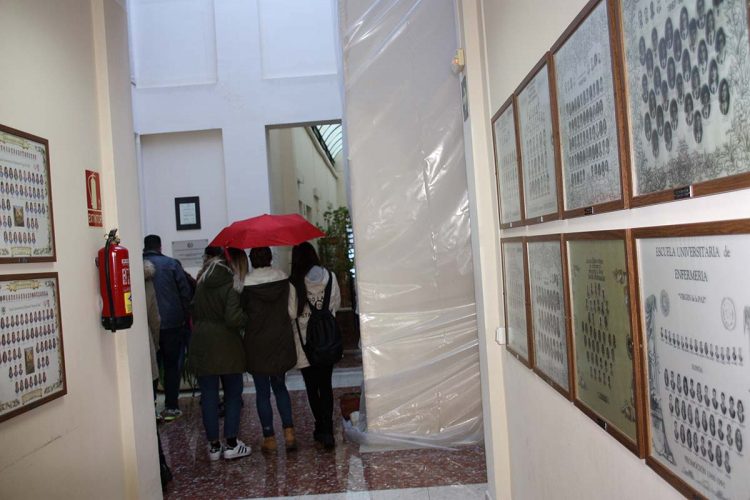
(114, 284)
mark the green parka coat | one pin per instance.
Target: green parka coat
(216, 344)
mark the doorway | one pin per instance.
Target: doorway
(307, 175)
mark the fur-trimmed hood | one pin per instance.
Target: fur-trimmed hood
(149, 270)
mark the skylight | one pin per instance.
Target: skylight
(331, 138)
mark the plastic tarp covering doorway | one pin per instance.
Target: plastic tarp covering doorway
(410, 214)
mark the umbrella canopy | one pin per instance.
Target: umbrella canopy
(267, 231)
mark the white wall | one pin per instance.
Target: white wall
(67, 80)
(177, 165)
(555, 451)
(282, 73)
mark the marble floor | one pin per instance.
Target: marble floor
(311, 472)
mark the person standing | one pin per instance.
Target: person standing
(216, 352)
(270, 351)
(153, 318)
(154, 321)
(310, 281)
(173, 295)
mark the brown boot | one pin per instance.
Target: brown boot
(269, 444)
(289, 440)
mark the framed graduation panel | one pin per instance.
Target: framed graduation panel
(516, 302)
(32, 361)
(537, 135)
(687, 68)
(694, 307)
(606, 355)
(27, 232)
(593, 173)
(550, 333)
(509, 194)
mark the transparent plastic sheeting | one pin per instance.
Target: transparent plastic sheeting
(410, 213)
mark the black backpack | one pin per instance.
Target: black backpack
(324, 346)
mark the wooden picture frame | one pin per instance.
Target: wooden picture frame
(538, 139)
(548, 306)
(31, 343)
(600, 287)
(592, 141)
(692, 70)
(507, 165)
(516, 300)
(27, 228)
(691, 329)
(187, 212)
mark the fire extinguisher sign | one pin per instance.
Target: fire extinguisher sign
(94, 198)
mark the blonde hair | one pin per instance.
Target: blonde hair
(238, 264)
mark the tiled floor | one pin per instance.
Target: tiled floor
(455, 492)
(340, 474)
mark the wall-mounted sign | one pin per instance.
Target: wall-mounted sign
(189, 252)
(188, 213)
(94, 198)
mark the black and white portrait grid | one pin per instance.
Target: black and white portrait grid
(548, 310)
(688, 77)
(31, 350)
(588, 121)
(696, 321)
(25, 199)
(515, 298)
(507, 167)
(603, 342)
(537, 146)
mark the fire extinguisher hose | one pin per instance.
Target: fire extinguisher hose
(107, 272)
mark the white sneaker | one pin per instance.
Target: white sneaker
(239, 451)
(214, 453)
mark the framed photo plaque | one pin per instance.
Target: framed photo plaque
(187, 211)
(687, 67)
(26, 222)
(509, 192)
(694, 307)
(537, 136)
(514, 291)
(32, 363)
(590, 135)
(551, 341)
(607, 362)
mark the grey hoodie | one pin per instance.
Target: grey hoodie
(315, 282)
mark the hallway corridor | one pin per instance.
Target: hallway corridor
(342, 473)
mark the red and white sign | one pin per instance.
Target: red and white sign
(94, 198)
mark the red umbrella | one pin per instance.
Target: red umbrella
(267, 231)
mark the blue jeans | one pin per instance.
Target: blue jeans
(209, 385)
(170, 346)
(263, 386)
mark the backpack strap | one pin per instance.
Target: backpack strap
(299, 334)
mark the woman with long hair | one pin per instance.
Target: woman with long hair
(310, 280)
(216, 351)
(270, 304)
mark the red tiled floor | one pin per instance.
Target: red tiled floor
(308, 470)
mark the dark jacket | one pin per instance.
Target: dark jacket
(216, 343)
(173, 293)
(269, 341)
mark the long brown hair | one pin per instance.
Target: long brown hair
(304, 258)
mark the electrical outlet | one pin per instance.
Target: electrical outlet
(500, 335)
